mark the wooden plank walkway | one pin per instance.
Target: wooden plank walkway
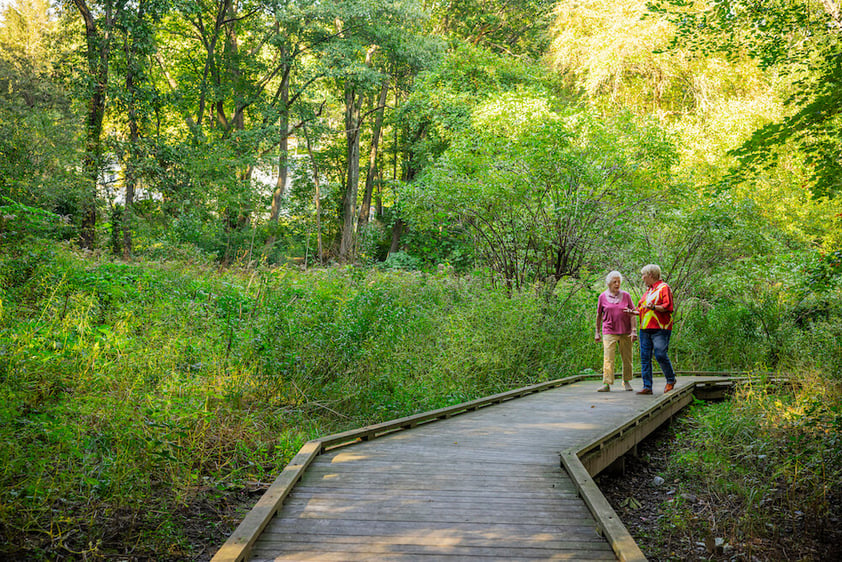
(483, 485)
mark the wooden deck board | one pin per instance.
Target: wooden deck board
(583, 551)
(481, 485)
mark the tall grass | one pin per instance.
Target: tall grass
(142, 389)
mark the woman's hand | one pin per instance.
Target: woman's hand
(597, 337)
(633, 311)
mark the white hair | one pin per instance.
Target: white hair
(652, 271)
(612, 275)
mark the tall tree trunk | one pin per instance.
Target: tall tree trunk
(131, 183)
(349, 197)
(134, 139)
(353, 104)
(372, 157)
(283, 149)
(98, 45)
(317, 196)
(397, 232)
(378, 197)
(209, 40)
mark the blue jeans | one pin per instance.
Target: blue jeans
(657, 341)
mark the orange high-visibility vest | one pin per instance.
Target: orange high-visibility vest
(659, 294)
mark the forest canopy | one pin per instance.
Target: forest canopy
(264, 132)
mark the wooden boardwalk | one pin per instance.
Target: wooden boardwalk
(483, 485)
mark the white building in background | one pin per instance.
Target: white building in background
(112, 187)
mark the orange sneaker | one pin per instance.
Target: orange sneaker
(669, 387)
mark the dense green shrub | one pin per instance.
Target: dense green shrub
(123, 385)
(773, 459)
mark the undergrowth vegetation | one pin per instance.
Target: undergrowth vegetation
(760, 470)
(130, 393)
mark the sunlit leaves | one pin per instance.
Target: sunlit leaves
(800, 40)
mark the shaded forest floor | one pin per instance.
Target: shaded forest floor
(645, 504)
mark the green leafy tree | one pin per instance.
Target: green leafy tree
(373, 39)
(620, 54)
(507, 27)
(545, 192)
(99, 20)
(432, 118)
(39, 131)
(442, 101)
(136, 100)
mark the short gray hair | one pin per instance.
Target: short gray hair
(612, 275)
(651, 270)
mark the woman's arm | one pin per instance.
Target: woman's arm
(598, 333)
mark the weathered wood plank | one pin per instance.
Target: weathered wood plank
(573, 512)
(474, 496)
(373, 465)
(437, 539)
(378, 549)
(496, 533)
(442, 502)
(425, 557)
(453, 480)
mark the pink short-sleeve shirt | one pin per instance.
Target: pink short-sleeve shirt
(614, 320)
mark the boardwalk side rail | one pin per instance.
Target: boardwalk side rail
(242, 540)
(582, 463)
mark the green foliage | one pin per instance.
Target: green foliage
(513, 28)
(543, 191)
(441, 105)
(825, 273)
(39, 135)
(799, 40)
(772, 312)
(400, 260)
(142, 389)
(18, 221)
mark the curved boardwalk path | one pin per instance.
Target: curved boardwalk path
(483, 485)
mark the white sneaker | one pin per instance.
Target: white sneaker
(604, 388)
(627, 385)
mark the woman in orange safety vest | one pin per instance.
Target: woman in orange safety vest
(655, 311)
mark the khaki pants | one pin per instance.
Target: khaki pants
(610, 343)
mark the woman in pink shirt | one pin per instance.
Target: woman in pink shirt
(615, 329)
